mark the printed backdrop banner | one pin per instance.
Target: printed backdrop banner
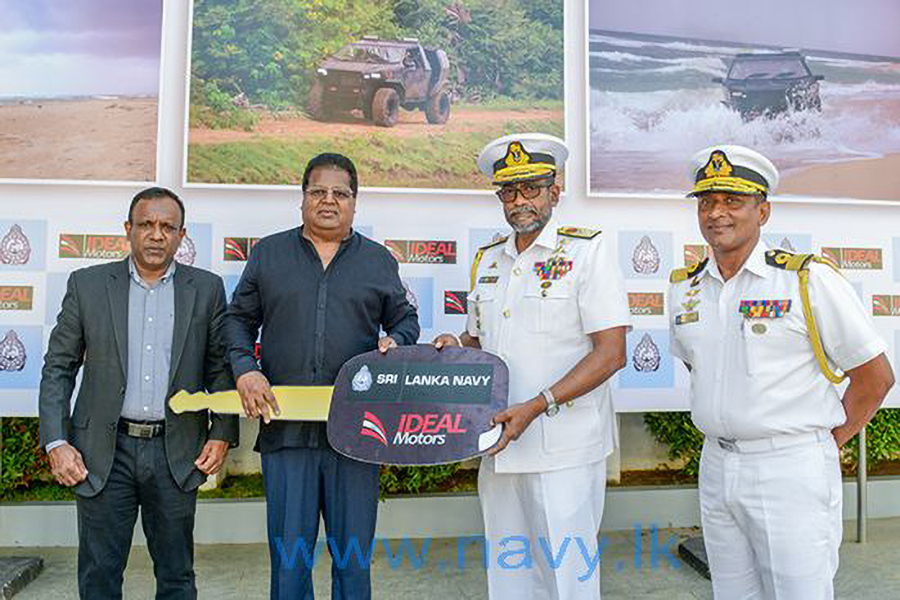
(411, 91)
(812, 84)
(79, 89)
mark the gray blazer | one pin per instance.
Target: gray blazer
(91, 331)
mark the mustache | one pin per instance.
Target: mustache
(522, 209)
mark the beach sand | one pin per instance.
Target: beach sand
(107, 140)
(870, 179)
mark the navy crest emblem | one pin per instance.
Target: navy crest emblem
(645, 258)
(15, 248)
(12, 352)
(646, 357)
(187, 251)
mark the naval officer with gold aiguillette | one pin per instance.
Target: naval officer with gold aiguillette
(762, 332)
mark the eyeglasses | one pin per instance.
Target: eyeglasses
(318, 194)
(529, 191)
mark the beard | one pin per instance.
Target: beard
(541, 219)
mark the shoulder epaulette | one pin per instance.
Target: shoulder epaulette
(679, 275)
(477, 260)
(578, 232)
(496, 242)
(782, 259)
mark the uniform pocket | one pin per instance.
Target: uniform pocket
(551, 307)
(573, 427)
(766, 339)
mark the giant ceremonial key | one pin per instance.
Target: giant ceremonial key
(417, 406)
(414, 405)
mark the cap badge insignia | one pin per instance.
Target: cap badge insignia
(718, 165)
(516, 155)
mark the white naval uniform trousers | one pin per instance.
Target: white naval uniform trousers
(770, 482)
(535, 311)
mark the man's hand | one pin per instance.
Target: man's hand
(67, 466)
(212, 457)
(516, 420)
(446, 339)
(256, 396)
(386, 343)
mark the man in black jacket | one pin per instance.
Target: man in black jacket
(320, 292)
(142, 329)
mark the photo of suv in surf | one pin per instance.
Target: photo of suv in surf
(381, 76)
(767, 84)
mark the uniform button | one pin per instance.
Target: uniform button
(150, 319)
(111, 426)
(146, 378)
(517, 271)
(149, 347)
(506, 312)
(122, 390)
(146, 409)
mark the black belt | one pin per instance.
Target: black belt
(142, 429)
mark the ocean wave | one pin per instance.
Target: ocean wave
(867, 89)
(672, 123)
(853, 63)
(682, 46)
(621, 57)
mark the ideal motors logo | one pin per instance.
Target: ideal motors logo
(414, 429)
(423, 251)
(867, 259)
(89, 245)
(372, 427)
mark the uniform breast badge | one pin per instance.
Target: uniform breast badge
(688, 317)
(689, 305)
(553, 268)
(488, 279)
(646, 356)
(762, 309)
(12, 352)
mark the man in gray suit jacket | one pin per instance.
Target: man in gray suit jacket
(142, 329)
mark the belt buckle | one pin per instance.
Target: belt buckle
(728, 445)
(141, 430)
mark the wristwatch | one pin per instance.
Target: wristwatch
(552, 406)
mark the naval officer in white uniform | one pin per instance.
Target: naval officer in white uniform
(550, 301)
(762, 374)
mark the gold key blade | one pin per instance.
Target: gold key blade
(297, 403)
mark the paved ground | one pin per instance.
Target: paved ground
(241, 571)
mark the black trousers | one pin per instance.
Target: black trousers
(140, 477)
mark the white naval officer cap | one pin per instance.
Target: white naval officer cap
(731, 168)
(522, 156)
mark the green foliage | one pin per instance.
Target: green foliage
(26, 472)
(269, 49)
(234, 119)
(441, 159)
(414, 480)
(675, 430)
(684, 441)
(24, 464)
(882, 439)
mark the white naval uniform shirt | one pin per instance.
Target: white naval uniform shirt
(542, 333)
(756, 378)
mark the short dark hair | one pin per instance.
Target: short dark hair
(334, 160)
(155, 192)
